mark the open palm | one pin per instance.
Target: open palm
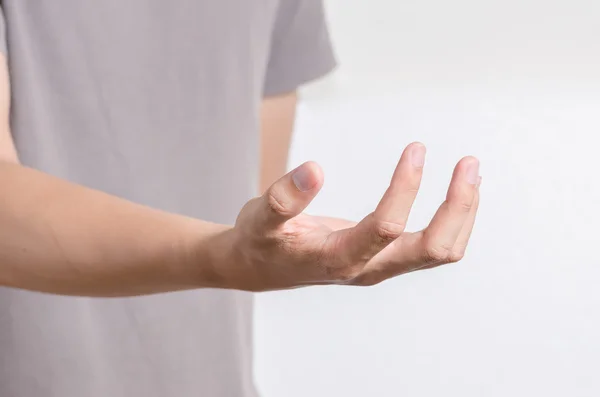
(292, 248)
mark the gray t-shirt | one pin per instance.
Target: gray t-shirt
(157, 102)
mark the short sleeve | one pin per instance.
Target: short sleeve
(301, 49)
(2, 31)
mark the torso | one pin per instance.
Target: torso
(156, 102)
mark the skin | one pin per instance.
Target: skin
(277, 117)
(62, 238)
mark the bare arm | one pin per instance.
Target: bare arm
(277, 123)
(7, 148)
(62, 238)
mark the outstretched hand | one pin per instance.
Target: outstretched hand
(275, 246)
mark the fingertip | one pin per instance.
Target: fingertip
(468, 160)
(468, 168)
(308, 176)
(291, 194)
(417, 152)
(465, 179)
(317, 170)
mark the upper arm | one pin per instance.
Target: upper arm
(277, 117)
(301, 48)
(7, 147)
(300, 52)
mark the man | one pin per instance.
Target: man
(132, 121)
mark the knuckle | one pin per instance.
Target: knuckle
(456, 256)
(387, 231)
(434, 254)
(276, 204)
(413, 189)
(465, 206)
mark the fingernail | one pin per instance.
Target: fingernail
(473, 173)
(417, 156)
(302, 178)
(478, 183)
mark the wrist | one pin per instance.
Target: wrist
(217, 257)
(227, 264)
(214, 258)
(230, 266)
(200, 255)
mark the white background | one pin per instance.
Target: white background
(516, 83)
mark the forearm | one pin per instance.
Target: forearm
(63, 238)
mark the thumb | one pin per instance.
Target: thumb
(291, 194)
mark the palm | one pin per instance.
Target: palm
(312, 230)
(301, 249)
